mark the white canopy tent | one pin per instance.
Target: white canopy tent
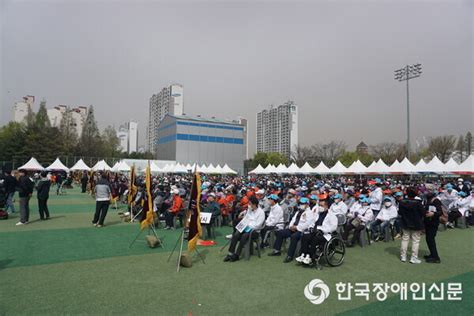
(80, 165)
(435, 165)
(451, 166)
(57, 165)
(321, 169)
(154, 167)
(293, 169)
(421, 166)
(467, 166)
(227, 170)
(357, 167)
(179, 168)
(338, 168)
(404, 167)
(378, 167)
(258, 170)
(101, 166)
(122, 166)
(306, 169)
(32, 165)
(281, 169)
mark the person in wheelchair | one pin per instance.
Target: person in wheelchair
(319, 233)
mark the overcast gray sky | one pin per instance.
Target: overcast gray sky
(335, 59)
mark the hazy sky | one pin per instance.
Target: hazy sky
(335, 59)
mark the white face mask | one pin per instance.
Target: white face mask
(321, 209)
(388, 204)
(302, 207)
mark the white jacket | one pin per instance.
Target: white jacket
(306, 220)
(366, 215)
(376, 199)
(275, 218)
(462, 204)
(387, 214)
(355, 208)
(339, 208)
(254, 219)
(329, 224)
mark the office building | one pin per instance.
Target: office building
(132, 137)
(168, 101)
(277, 129)
(21, 108)
(122, 135)
(199, 140)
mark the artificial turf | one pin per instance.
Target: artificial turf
(66, 266)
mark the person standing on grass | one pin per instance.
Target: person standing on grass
(25, 190)
(84, 180)
(10, 188)
(43, 195)
(412, 214)
(103, 194)
(433, 211)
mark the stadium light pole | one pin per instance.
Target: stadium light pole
(405, 74)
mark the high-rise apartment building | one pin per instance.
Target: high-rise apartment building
(168, 101)
(132, 137)
(277, 129)
(21, 108)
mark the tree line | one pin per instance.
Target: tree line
(444, 147)
(35, 137)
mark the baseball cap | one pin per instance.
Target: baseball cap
(304, 200)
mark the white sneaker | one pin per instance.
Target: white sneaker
(228, 236)
(403, 258)
(300, 258)
(415, 260)
(20, 223)
(307, 259)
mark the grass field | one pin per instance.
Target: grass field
(66, 266)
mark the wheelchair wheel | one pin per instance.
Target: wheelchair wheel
(334, 251)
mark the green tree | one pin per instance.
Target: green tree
(90, 141)
(68, 131)
(12, 141)
(110, 142)
(442, 146)
(351, 156)
(42, 119)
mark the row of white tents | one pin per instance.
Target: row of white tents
(122, 166)
(435, 166)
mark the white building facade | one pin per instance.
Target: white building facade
(168, 101)
(277, 129)
(21, 108)
(132, 137)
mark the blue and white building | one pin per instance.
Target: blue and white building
(200, 140)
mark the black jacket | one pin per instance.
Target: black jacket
(10, 184)
(434, 220)
(25, 186)
(412, 214)
(43, 189)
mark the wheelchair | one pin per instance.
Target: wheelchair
(333, 252)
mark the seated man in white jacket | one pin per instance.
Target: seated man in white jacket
(338, 207)
(458, 208)
(386, 214)
(300, 223)
(246, 229)
(358, 223)
(274, 219)
(320, 233)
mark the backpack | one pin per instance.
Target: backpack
(443, 218)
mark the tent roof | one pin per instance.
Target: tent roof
(467, 166)
(321, 168)
(378, 167)
(32, 164)
(451, 166)
(57, 165)
(293, 169)
(357, 167)
(306, 169)
(338, 168)
(227, 169)
(101, 166)
(80, 165)
(258, 170)
(435, 165)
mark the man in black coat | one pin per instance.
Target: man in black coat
(433, 211)
(412, 214)
(84, 180)
(43, 195)
(25, 190)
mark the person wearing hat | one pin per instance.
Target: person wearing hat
(25, 190)
(253, 220)
(42, 189)
(463, 186)
(319, 233)
(448, 196)
(211, 207)
(338, 207)
(300, 223)
(274, 220)
(433, 211)
(358, 223)
(176, 206)
(376, 197)
(383, 218)
(460, 206)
